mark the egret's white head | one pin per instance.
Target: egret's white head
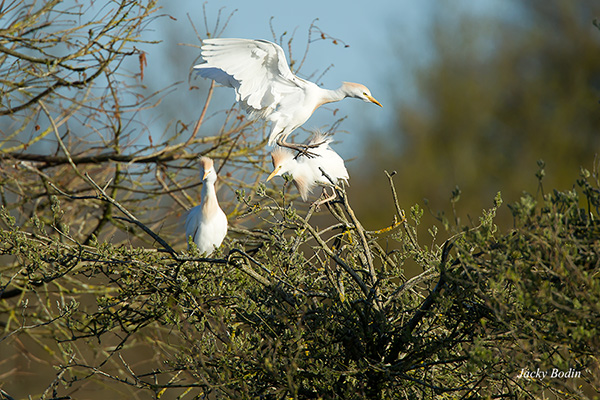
(302, 174)
(282, 161)
(359, 91)
(207, 170)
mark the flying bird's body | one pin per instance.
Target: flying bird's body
(207, 223)
(264, 84)
(307, 172)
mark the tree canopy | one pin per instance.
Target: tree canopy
(498, 95)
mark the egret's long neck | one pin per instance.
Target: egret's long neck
(337, 94)
(329, 96)
(209, 196)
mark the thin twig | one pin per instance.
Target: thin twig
(365, 289)
(399, 210)
(400, 341)
(59, 139)
(130, 217)
(171, 193)
(361, 234)
(202, 114)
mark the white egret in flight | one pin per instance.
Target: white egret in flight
(207, 223)
(264, 84)
(306, 172)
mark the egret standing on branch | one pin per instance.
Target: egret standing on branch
(207, 223)
(307, 172)
(267, 88)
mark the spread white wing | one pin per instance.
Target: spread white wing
(256, 69)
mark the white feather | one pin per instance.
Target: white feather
(207, 223)
(264, 84)
(308, 172)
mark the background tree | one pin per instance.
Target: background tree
(97, 299)
(499, 94)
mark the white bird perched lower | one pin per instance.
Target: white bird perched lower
(267, 88)
(207, 223)
(306, 172)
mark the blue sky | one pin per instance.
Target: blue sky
(385, 39)
(371, 34)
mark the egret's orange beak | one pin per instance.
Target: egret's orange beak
(372, 100)
(206, 174)
(275, 171)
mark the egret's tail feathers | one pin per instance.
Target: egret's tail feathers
(320, 137)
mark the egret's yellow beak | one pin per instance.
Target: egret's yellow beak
(372, 100)
(206, 174)
(275, 171)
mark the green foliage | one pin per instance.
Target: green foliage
(497, 94)
(304, 317)
(539, 284)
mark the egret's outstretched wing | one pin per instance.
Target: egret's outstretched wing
(256, 69)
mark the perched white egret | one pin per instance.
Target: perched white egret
(267, 88)
(306, 172)
(207, 223)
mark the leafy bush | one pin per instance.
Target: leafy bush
(320, 313)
